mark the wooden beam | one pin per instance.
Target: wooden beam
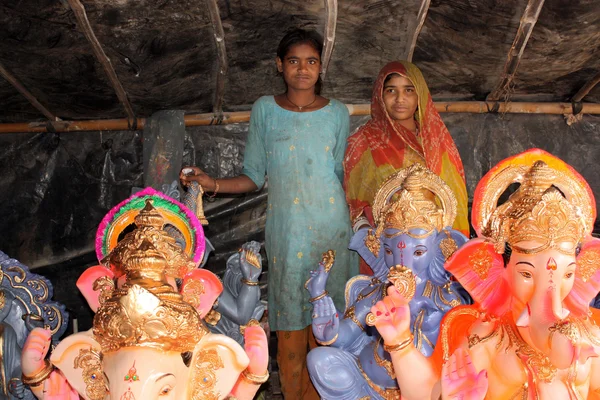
(331, 9)
(528, 21)
(86, 28)
(26, 93)
(475, 107)
(410, 46)
(223, 65)
(581, 93)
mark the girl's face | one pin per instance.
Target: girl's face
(300, 67)
(400, 98)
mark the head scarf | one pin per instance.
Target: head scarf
(382, 146)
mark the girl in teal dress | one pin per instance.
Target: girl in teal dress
(297, 139)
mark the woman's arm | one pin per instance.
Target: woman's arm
(341, 141)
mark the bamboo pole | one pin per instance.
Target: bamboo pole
(528, 21)
(223, 65)
(26, 93)
(581, 93)
(410, 46)
(84, 25)
(205, 119)
(331, 8)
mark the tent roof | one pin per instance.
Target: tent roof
(165, 55)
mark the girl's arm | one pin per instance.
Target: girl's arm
(255, 162)
(237, 184)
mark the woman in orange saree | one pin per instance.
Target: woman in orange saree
(394, 139)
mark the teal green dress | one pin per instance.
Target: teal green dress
(307, 214)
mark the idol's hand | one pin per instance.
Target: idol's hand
(34, 351)
(460, 380)
(391, 317)
(251, 261)
(16, 388)
(257, 349)
(56, 387)
(318, 281)
(326, 321)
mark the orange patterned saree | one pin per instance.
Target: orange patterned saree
(382, 146)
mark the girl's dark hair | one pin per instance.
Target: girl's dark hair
(301, 36)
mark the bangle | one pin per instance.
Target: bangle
(249, 283)
(216, 189)
(319, 297)
(327, 343)
(40, 377)
(400, 346)
(359, 222)
(255, 379)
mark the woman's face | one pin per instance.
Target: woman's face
(300, 67)
(400, 98)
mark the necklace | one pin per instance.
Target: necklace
(297, 106)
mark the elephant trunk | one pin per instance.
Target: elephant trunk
(546, 310)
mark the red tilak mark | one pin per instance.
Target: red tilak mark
(401, 245)
(551, 264)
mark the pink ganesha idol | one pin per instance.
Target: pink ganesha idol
(148, 339)
(532, 272)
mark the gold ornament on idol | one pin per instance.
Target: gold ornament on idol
(328, 259)
(412, 198)
(403, 280)
(146, 311)
(549, 208)
(405, 283)
(150, 225)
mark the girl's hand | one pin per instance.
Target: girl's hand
(460, 379)
(195, 174)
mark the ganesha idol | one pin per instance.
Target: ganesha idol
(148, 339)
(413, 211)
(532, 272)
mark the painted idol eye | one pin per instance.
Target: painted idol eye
(165, 390)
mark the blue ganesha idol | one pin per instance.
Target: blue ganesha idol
(413, 211)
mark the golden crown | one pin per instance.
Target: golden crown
(412, 198)
(537, 211)
(146, 311)
(149, 226)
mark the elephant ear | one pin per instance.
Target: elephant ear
(77, 356)
(85, 284)
(480, 270)
(216, 366)
(587, 279)
(201, 288)
(447, 242)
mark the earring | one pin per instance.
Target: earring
(91, 362)
(372, 243)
